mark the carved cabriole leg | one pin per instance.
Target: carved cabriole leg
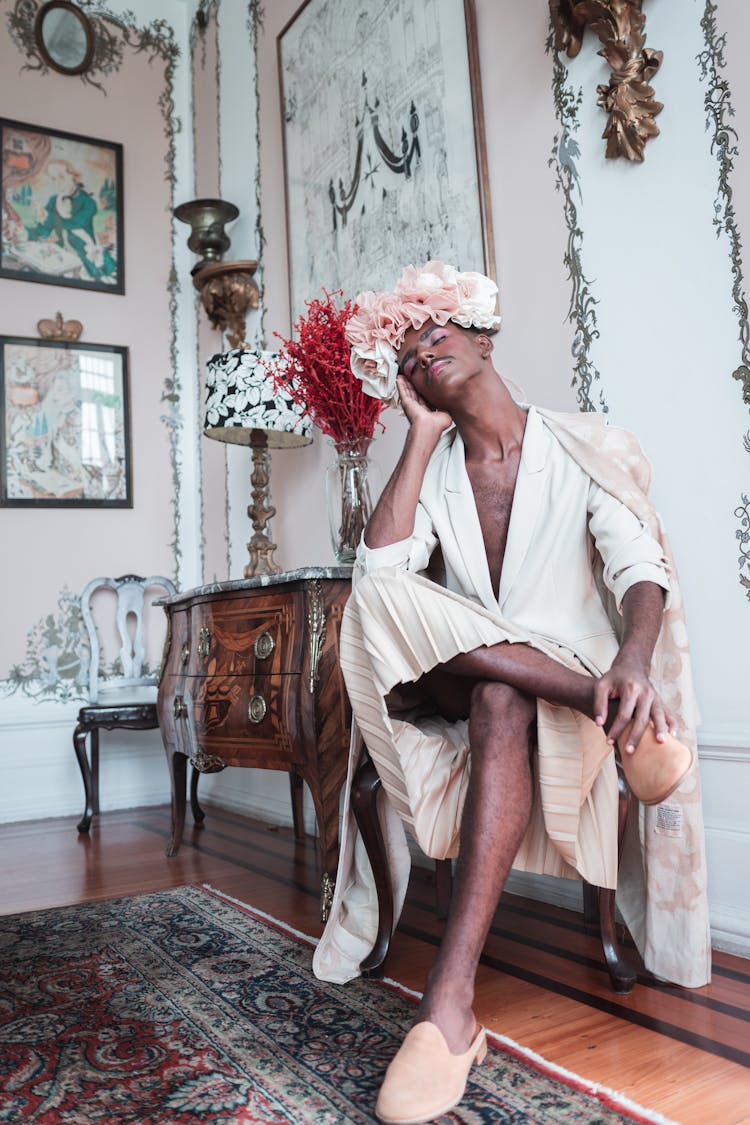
(79, 744)
(198, 814)
(365, 788)
(94, 744)
(178, 772)
(325, 779)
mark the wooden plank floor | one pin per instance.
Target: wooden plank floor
(683, 1053)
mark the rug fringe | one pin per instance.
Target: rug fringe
(612, 1098)
(605, 1094)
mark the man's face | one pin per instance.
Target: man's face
(63, 181)
(439, 359)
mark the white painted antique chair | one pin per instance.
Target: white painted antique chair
(126, 701)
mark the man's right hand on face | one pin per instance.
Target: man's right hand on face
(428, 421)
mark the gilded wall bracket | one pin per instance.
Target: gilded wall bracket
(628, 98)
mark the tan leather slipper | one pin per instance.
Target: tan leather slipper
(654, 769)
(424, 1079)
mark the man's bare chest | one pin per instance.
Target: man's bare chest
(494, 486)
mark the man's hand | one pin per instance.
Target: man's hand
(627, 682)
(420, 414)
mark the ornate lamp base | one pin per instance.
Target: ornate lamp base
(261, 548)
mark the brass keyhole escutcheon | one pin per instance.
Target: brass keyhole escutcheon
(204, 643)
(264, 646)
(179, 707)
(185, 653)
(257, 709)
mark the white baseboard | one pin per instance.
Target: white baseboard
(730, 931)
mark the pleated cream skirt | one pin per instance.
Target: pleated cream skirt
(397, 626)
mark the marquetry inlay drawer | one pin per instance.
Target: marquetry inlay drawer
(241, 637)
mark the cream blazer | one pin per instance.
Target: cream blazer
(559, 520)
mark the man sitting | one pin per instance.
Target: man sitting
(491, 700)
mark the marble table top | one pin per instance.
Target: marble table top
(306, 572)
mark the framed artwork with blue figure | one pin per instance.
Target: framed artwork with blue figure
(64, 424)
(62, 208)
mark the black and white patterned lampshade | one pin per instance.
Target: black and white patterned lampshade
(241, 398)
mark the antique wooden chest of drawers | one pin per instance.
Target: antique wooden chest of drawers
(251, 677)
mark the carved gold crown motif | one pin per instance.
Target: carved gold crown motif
(59, 329)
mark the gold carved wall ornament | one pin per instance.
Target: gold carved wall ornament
(59, 329)
(628, 98)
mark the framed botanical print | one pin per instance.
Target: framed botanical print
(64, 424)
(383, 143)
(62, 209)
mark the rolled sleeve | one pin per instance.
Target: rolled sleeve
(629, 551)
(406, 554)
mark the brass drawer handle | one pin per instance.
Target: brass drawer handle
(264, 646)
(204, 643)
(185, 653)
(179, 707)
(257, 709)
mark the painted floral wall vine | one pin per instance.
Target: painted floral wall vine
(582, 309)
(55, 666)
(206, 15)
(724, 146)
(255, 17)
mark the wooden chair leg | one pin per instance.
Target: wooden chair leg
(590, 905)
(198, 814)
(94, 744)
(178, 772)
(365, 788)
(296, 790)
(443, 887)
(80, 735)
(621, 973)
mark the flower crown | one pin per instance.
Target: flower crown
(435, 291)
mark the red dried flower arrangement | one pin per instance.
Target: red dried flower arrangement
(314, 369)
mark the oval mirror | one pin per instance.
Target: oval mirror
(64, 37)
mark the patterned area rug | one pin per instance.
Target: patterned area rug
(183, 1007)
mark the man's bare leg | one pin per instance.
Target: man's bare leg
(527, 669)
(497, 688)
(497, 809)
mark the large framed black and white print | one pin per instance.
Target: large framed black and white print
(383, 143)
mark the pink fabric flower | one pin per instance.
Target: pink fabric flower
(435, 291)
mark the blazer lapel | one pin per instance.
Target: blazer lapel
(527, 497)
(467, 532)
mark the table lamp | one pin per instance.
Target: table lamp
(245, 406)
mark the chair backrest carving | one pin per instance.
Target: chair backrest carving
(129, 621)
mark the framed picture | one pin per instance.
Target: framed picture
(384, 153)
(64, 424)
(62, 209)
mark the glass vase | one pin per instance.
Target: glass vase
(351, 494)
